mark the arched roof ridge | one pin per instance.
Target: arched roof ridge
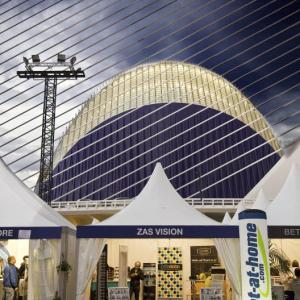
(171, 81)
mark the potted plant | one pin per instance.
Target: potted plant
(64, 267)
(279, 262)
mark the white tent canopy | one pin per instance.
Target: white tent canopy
(23, 215)
(20, 207)
(155, 212)
(229, 252)
(273, 181)
(241, 206)
(261, 202)
(159, 204)
(284, 209)
(226, 219)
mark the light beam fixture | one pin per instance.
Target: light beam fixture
(35, 58)
(61, 58)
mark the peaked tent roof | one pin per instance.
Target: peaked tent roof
(159, 204)
(235, 218)
(284, 209)
(157, 212)
(20, 207)
(261, 202)
(226, 219)
(272, 182)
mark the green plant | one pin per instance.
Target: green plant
(63, 267)
(279, 262)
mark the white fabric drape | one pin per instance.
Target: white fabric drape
(229, 253)
(89, 252)
(44, 256)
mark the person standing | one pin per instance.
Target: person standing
(10, 279)
(295, 265)
(136, 275)
(294, 284)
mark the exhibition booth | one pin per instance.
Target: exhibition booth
(171, 228)
(278, 194)
(163, 232)
(30, 227)
(183, 252)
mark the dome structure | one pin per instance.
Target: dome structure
(145, 115)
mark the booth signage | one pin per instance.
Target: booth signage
(169, 283)
(6, 233)
(170, 267)
(24, 234)
(255, 270)
(159, 231)
(288, 232)
(156, 231)
(15, 233)
(202, 259)
(118, 293)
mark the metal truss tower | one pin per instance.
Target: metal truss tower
(50, 73)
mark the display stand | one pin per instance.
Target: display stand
(149, 270)
(212, 293)
(102, 275)
(118, 293)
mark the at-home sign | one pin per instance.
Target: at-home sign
(255, 270)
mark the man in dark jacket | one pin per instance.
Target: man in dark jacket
(136, 275)
(10, 279)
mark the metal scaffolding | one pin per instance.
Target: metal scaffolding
(48, 127)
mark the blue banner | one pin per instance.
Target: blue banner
(9, 233)
(163, 231)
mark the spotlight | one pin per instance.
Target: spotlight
(73, 60)
(28, 68)
(25, 61)
(35, 58)
(61, 58)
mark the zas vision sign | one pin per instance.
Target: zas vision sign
(255, 269)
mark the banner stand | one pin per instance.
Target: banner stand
(255, 268)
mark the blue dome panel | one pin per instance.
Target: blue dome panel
(191, 141)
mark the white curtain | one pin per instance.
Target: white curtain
(44, 256)
(89, 252)
(229, 253)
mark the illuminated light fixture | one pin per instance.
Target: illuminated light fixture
(26, 61)
(35, 58)
(61, 58)
(73, 60)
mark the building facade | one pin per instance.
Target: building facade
(211, 140)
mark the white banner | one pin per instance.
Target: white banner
(255, 268)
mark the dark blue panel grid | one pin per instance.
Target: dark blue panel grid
(100, 172)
